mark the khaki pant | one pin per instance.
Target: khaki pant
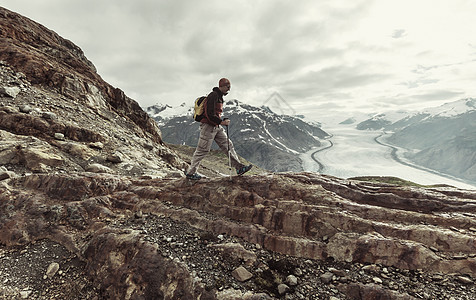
(208, 134)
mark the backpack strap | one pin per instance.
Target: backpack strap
(205, 108)
(209, 121)
(206, 112)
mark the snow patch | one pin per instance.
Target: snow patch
(453, 108)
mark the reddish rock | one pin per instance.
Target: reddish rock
(357, 291)
(48, 59)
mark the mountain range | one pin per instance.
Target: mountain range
(441, 138)
(267, 139)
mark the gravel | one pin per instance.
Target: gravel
(304, 278)
(24, 271)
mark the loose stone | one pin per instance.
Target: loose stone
(241, 274)
(292, 280)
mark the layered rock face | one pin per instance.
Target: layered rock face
(56, 113)
(48, 59)
(110, 222)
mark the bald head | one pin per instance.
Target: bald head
(223, 82)
(224, 85)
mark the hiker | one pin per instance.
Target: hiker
(210, 130)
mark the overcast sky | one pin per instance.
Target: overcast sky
(319, 55)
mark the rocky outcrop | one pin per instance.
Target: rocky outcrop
(42, 128)
(134, 269)
(48, 138)
(304, 216)
(47, 59)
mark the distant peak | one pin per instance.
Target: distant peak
(233, 102)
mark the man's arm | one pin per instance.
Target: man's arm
(210, 110)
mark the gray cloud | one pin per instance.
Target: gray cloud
(438, 95)
(310, 52)
(417, 83)
(331, 80)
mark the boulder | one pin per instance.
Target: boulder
(283, 289)
(236, 252)
(6, 175)
(9, 91)
(79, 150)
(370, 248)
(87, 202)
(241, 274)
(291, 280)
(59, 136)
(115, 157)
(232, 294)
(372, 291)
(8, 153)
(97, 145)
(26, 109)
(52, 270)
(98, 168)
(37, 158)
(327, 277)
(49, 115)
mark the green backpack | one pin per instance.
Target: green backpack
(199, 109)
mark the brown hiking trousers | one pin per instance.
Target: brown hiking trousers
(208, 134)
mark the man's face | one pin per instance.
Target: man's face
(225, 88)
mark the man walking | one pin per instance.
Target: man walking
(210, 130)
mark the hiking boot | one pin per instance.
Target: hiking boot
(243, 169)
(193, 176)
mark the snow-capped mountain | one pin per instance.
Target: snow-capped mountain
(261, 136)
(442, 138)
(400, 119)
(382, 120)
(452, 109)
(161, 112)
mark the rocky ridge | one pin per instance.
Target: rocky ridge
(54, 107)
(94, 206)
(46, 58)
(289, 236)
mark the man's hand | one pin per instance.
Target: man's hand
(225, 122)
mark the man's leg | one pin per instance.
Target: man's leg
(222, 142)
(203, 147)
